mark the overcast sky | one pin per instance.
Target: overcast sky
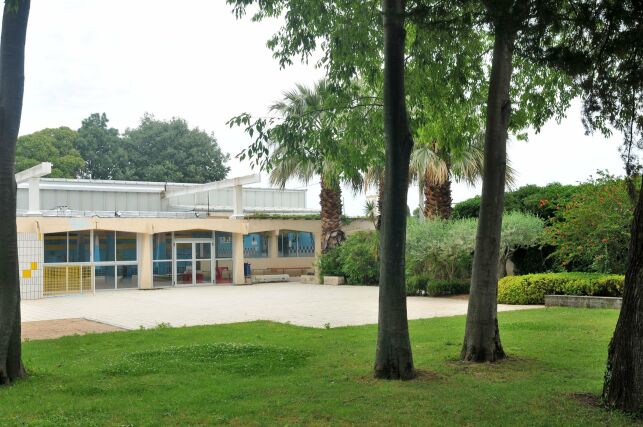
(194, 60)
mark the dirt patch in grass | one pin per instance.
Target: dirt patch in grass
(508, 369)
(48, 329)
(587, 399)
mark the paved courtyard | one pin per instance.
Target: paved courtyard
(297, 303)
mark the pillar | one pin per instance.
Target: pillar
(273, 249)
(145, 274)
(237, 259)
(237, 201)
(34, 196)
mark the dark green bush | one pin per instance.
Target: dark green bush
(330, 263)
(422, 285)
(532, 288)
(357, 259)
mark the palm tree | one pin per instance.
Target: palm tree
(288, 163)
(435, 168)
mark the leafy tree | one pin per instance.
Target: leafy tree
(12, 62)
(104, 152)
(592, 230)
(519, 231)
(169, 151)
(50, 145)
(599, 43)
(538, 93)
(543, 202)
(305, 104)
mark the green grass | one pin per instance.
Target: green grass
(265, 373)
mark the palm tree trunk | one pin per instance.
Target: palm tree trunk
(623, 386)
(12, 61)
(482, 337)
(393, 358)
(330, 200)
(437, 200)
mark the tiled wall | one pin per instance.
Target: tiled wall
(30, 253)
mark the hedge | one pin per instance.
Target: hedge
(532, 288)
(421, 285)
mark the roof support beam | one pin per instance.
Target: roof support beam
(33, 175)
(202, 188)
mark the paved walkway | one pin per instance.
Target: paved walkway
(297, 303)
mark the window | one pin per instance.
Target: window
(223, 244)
(296, 244)
(55, 247)
(79, 246)
(255, 245)
(162, 246)
(115, 255)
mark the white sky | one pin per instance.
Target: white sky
(194, 60)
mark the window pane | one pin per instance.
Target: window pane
(184, 251)
(104, 277)
(288, 244)
(255, 245)
(306, 244)
(202, 250)
(127, 276)
(193, 234)
(223, 273)
(184, 272)
(104, 246)
(223, 242)
(162, 272)
(79, 246)
(203, 272)
(55, 247)
(125, 246)
(162, 246)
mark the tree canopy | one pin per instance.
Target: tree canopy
(57, 146)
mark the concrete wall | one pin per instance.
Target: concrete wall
(582, 301)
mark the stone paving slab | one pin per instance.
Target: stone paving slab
(296, 303)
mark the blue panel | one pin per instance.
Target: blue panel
(305, 244)
(162, 246)
(55, 245)
(79, 246)
(255, 245)
(104, 246)
(223, 244)
(125, 246)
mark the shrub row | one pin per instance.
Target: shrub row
(422, 285)
(532, 288)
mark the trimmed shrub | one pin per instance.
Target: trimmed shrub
(423, 285)
(532, 288)
(330, 263)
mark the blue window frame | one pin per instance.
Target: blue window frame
(255, 245)
(296, 244)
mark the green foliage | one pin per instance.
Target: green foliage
(532, 288)
(357, 259)
(592, 232)
(169, 150)
(423, 285)
(440, 249)
(105, 153)
(543, 202)
(444, 249)
(50, 145)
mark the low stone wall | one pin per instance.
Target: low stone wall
(582, 301)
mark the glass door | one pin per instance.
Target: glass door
(184, 260)
(193, 262)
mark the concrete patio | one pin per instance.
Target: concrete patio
(296, 303)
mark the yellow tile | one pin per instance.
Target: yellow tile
(26, 274)
(34, 266)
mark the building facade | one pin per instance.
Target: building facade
(85, 236)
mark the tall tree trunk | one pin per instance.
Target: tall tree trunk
(330, 200)
(482, 337)
(437, 200)
(12, 61)
(380, 203)
(393, 359)
(623, 386)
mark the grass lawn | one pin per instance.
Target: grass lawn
(263, 373)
